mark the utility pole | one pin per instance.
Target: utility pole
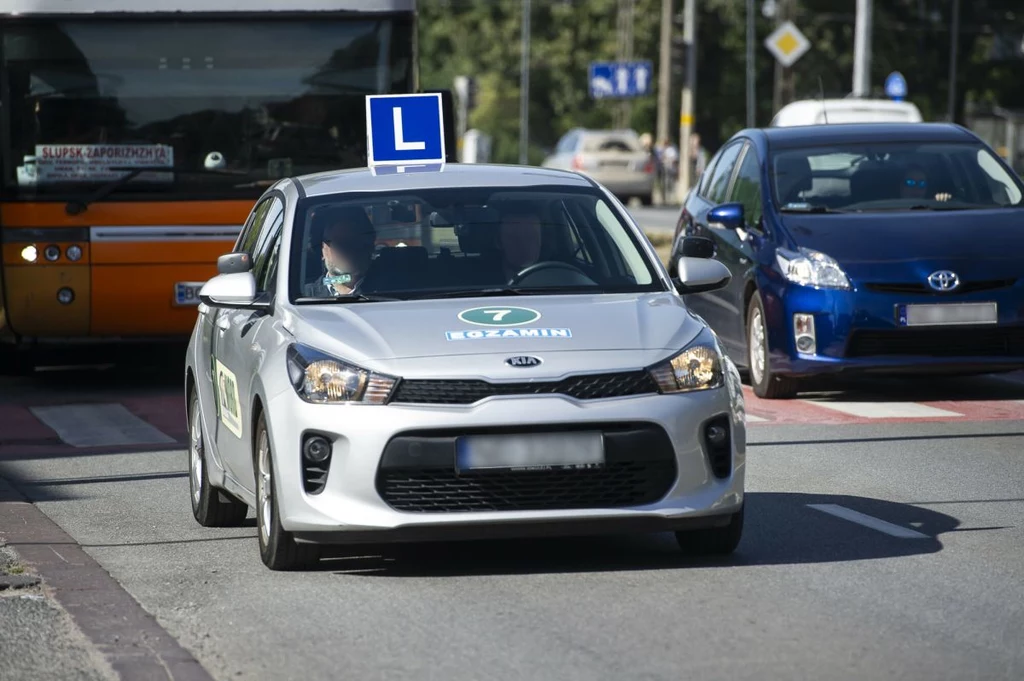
(625, 36)
(665, 70)
(862, 50)
(524, 88)
(954, 40)
(751, 102)
(686, 103)
(782, 92)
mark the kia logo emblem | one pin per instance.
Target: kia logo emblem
(523, 361)
(944, 280)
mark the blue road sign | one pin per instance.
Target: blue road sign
(896, 86)
(397, 169)
(620, 79)
(404, 129)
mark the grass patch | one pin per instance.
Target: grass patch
(16, 570)
(662, 242)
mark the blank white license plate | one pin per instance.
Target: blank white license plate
(187, 292)
(540, 451)
(944, 314)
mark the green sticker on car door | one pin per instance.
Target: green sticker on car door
(499, 316)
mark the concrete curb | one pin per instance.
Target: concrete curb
(132, 641)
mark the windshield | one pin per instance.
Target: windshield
(464, 242)
(231, 105)
(892, 176)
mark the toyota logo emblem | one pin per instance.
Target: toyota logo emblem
(944, 280)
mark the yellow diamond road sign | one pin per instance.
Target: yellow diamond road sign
(787, 43)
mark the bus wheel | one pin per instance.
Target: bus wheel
(16, 362)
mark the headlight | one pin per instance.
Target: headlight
(811, 268)
(323, 379)
(698, 367)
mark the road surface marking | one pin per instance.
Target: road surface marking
(99, 425)
(868, 521)
(886, 410)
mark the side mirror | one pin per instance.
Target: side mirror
(234, 263)
(728, 215)
(235, 290)
(695, 247)
(699, 275)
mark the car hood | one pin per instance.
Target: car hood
(637, 325)
(976, 244)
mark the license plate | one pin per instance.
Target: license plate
(947, 314)
(533, 451)
(187, 292)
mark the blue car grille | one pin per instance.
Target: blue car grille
(974, 341)
(585, 387)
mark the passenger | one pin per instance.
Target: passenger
(348, 239)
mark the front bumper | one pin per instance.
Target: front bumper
(857, 332)
(351, 507)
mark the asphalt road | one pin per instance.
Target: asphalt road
(656, 218)
(925, 583)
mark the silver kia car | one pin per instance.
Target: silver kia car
(462, 352)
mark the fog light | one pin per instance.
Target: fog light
(717, 434)
(803, 331)
(65, 296)
(29, 253)
(51, 253)
(316, 449)
(73, 253)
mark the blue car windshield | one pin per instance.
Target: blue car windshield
(479, 242)
(892, 176)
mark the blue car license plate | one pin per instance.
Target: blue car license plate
(947, 314)
(187, 293)
(530, 451)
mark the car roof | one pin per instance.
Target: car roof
(449, 175)
(811, 135)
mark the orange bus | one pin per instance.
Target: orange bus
(136, 135)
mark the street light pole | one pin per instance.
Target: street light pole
(954, 40)
(524, 88)
(686, 104)
(665, 70)
(862, 50)
(751, 104)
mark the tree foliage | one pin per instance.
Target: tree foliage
(482, 38)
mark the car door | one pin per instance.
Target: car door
(737, 249)
(712, 306)
(234, 355)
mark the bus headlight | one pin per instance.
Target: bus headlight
(51, 253)
(29, 253)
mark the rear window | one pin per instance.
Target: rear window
(619, 143)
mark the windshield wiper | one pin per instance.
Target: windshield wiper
(500, 291)
(78, 206)
(808, 208)
(350, 298)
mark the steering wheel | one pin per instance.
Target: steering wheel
(540, 267)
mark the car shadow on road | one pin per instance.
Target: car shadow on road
(922, 388)
(781, 528)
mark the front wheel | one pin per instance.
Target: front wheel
(713, 541)
(278, 548)
(210, 506)
(763, 380)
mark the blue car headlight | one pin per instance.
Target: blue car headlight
(698, 367)
(811, 268)
(322, 379)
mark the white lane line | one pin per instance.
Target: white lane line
(99, 425)
(868, 521)
(886, 410)
(754, 419)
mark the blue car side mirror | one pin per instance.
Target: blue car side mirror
(728, 215)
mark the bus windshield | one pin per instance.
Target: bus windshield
(230, 105)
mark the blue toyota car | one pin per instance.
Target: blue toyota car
(886, 248)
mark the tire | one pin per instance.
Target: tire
(766, 384)
(211, 506)
(713, 541)
(278, 548)
(15, 362)
(647, 199)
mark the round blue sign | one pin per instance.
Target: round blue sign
(896, 86)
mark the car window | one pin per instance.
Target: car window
(704, 182)
(613, 143)
(719, 183)
(267, 279)
(264, 247)
(467, 239)
(250, 233)
(567, 143)
(893, 176)
(747, 188)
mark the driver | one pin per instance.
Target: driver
(520, 239)
(915, 185)
(347, 245)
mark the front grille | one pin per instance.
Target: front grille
(586, 387)
(974, 341)
(924, 289)
(418, 474)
